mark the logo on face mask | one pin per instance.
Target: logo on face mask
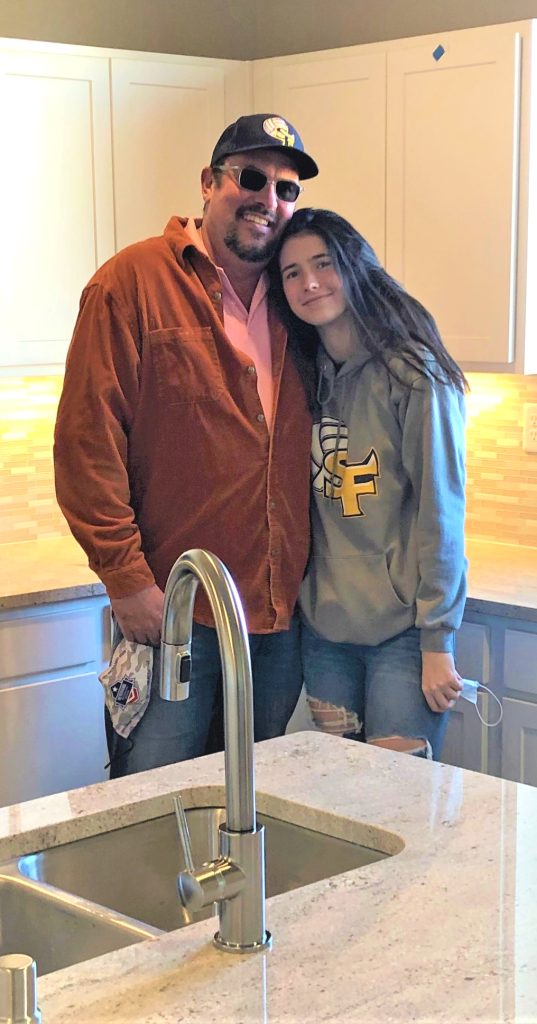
(278, 129)
(336, 478)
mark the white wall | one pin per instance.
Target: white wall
(295, 26)
(203, 28)
(245, 29)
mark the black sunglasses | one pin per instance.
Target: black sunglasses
(253, 180)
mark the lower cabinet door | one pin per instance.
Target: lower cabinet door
(465, 745)
(51, 736)
(519, 741)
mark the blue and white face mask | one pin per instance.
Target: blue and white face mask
(469, 692)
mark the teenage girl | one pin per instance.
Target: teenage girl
(385, 588)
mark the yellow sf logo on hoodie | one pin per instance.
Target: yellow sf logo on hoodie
(333, 476)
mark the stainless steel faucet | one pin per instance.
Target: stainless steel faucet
(236, 878)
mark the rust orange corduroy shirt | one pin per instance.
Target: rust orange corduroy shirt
(161, 444)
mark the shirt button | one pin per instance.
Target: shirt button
(272, 505)
(260, 418)
(275, 552)
(250, 369)
(217, 296)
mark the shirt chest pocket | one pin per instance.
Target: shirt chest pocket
(186, 365)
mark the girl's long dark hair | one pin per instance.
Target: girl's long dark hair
(390, 322)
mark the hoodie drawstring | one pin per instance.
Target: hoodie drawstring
(322, 400)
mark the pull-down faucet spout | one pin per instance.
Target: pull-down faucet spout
(237, 878)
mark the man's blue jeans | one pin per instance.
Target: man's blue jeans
(176, 731)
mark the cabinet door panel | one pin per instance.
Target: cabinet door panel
(452, 148)
(465, 744)
(519, 741)
(55, 198)
(520, 661)
(166, 120)
(338, 106)
(51, 737)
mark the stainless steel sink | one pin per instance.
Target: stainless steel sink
(133, 869)
(58, 929)
(85, 898)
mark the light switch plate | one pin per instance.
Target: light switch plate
(529, 434)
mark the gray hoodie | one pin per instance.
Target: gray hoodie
(388, 506)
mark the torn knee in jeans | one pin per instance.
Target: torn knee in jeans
(418, 746)
(339, 721)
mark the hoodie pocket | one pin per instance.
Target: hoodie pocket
(186, 364)
(353, 600)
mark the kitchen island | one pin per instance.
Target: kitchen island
(443, 931)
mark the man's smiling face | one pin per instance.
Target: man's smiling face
(246, 224)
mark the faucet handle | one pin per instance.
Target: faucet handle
(184, 834)
(18, 990)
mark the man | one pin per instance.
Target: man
(182, 424)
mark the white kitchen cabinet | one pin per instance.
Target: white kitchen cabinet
(56, 203)
(337, 101)
(100, 149)
(446, 198)
(452, 188)
(428, 145)
(167, 116)
(52, 734)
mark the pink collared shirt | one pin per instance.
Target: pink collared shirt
(247, 329)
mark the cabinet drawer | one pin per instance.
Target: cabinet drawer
(45, 642)
(520, 661)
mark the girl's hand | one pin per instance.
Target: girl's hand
(440, 681)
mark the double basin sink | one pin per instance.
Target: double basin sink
(73, 902)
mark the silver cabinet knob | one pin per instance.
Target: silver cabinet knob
(18, 995)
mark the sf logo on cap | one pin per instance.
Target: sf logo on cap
(278, 129)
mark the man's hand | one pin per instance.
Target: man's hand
(440, 681)
(140, 615)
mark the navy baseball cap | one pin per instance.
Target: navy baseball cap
(264, 131)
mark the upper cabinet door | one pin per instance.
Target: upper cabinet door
(166, 120)
(452, 178)
(56, 199)
(337, 104)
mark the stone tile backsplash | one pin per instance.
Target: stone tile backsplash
(28, 507)
(502, 479)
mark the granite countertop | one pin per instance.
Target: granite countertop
(502, 578)
(37, 572)
(443, 931)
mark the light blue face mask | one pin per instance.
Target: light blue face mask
(469, 692)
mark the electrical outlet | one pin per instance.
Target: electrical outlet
(529, 435)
